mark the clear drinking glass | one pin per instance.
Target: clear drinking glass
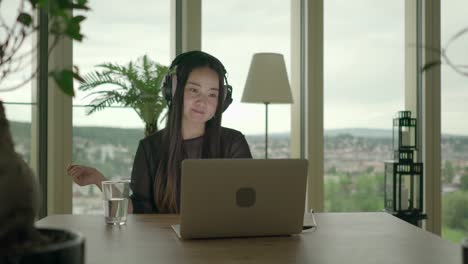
(115, 196)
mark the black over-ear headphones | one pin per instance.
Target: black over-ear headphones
(170, 81)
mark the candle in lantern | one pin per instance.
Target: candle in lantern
(404, 198)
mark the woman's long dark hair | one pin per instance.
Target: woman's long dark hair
(167, 179)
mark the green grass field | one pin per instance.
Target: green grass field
(454, 235)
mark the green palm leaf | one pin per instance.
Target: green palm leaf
(137, 84)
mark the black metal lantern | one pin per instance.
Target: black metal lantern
(404, 131)
(403, 179)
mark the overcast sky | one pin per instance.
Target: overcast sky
(364, 58)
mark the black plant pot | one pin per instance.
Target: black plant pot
(65, 247)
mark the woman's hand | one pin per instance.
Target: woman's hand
(83, 175)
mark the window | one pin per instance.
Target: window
(454, 149)
(107, 140)
(18, 102)
(233, 31)
(363, 90)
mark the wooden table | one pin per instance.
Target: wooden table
(376, 238)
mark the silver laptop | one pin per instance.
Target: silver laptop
(241, 197)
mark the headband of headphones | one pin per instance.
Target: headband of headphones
(170, 81)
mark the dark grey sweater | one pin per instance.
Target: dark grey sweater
(145, 165)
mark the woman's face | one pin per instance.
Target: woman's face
(200, 96)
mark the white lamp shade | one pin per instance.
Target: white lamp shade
(267, 80)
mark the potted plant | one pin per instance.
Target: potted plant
(20, 240)
(61, 24)
(137, 84)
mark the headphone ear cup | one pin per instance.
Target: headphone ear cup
(226, 104)
(174, 85)
(227, 96)
(167, 88)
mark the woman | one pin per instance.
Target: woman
(197, 94)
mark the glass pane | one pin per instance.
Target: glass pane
(454, 126)
(18, 102)
(388, 181)
(363, 91)
(19, 117)
(233, 33)
(107, 139)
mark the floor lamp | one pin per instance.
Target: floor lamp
(267, 83)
